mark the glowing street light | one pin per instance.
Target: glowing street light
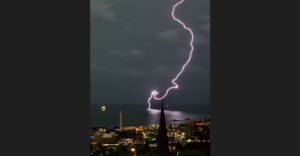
(132, 149)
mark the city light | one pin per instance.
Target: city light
(132, 149)
(182, 133)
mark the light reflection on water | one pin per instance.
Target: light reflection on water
(140, 115)
(171, 116)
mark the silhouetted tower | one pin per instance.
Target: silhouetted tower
(121, 120)
(162, 138)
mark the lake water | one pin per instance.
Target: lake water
(139, 115)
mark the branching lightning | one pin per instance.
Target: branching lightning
(154, 93)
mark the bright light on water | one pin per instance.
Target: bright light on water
(171, 116)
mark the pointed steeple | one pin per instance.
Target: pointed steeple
(162, 138)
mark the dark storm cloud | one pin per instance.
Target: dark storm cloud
(168, 35)
(102, 9)
(136, 47)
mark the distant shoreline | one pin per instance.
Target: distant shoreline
(138, 115)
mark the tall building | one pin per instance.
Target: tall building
(121, 122)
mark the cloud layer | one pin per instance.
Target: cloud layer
(135, 48)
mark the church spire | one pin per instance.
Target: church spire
(162, 138)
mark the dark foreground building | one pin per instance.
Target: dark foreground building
(196, 149)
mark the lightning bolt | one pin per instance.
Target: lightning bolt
(154, 93)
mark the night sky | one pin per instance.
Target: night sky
(137, 47)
